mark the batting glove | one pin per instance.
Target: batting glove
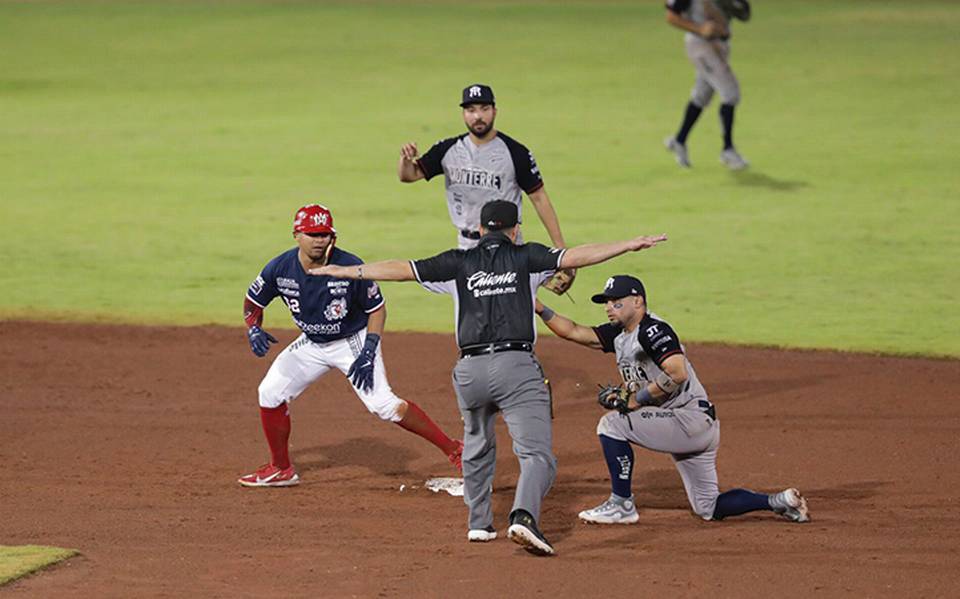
(361, 371)
(260, 340)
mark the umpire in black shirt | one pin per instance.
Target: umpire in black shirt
(494, 287)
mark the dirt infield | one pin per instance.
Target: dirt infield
(124, 442)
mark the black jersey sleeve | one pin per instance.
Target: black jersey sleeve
(541, 258)
(431, 162)
(658, 340)
(524, 165)
(442, 267)
(606, 333)
(678, 6)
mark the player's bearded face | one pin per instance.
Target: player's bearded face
(479, 118)
(624, 309)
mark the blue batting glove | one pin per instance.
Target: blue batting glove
(361, 371)
(260, 340)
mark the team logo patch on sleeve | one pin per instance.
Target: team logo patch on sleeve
(373, 290)
(257, 286)
(336, 309)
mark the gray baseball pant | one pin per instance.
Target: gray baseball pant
(512, 383)
(689, 435)
(711, 59)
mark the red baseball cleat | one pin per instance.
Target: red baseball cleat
(269, 475)
(456, 456)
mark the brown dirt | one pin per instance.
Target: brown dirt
(124, 442)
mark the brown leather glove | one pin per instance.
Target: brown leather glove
(561, 282)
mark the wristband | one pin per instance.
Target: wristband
(644, 398)
(547, 314)
(360, 272)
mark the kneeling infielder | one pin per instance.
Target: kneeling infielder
(341, 323)
(663, 407)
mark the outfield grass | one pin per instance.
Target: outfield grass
(152, 155)
(16, 562)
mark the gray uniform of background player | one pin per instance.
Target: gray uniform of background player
(477, 174)
(708, 48)
(710, 58)
(683, 426)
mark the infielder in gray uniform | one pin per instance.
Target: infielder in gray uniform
(481, 166)
(663, 407)
(494, 286)
(707, 23)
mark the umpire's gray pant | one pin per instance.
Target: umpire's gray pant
(512, 383)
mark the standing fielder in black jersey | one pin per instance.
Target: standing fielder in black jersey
(667, 410)
(481, 166)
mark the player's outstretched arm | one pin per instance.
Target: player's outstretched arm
(407, 169)
(386, 270)
(595, 253)
(567, 329)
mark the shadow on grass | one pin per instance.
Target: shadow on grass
(749, 178)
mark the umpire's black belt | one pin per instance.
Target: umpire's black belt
(495, 348)
(470, 234)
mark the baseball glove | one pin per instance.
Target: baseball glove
(561, 281)
(735, 9)
(614, 397)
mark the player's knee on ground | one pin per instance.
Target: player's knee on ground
(704, 507)
(610, 426)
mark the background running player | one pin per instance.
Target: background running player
(481, 166)
(707, 41)
(668, 411)
(341, 323)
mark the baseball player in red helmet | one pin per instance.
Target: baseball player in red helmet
(341, 323)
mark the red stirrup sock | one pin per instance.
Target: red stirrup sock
(276, 428)
(417, 421)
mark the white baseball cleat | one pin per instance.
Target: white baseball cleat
(790, 504)
(733, 160)
(679, 151)
(482, 535)
(615, 510)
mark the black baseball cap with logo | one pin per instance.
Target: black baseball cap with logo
(498, 214)
(477, 93)
(620, 286)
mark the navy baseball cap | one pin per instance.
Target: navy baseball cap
(478, 93)
(498, 214)
(620, 286)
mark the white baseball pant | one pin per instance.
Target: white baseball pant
(304, 361)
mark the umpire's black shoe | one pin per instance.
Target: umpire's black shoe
(524, 532)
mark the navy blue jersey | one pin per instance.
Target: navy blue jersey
(325, 308)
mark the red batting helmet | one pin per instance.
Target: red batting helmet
(314, 218)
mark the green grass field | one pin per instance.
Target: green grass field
(16, 562)
(152, 156)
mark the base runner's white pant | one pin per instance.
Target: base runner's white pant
(304, 361)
